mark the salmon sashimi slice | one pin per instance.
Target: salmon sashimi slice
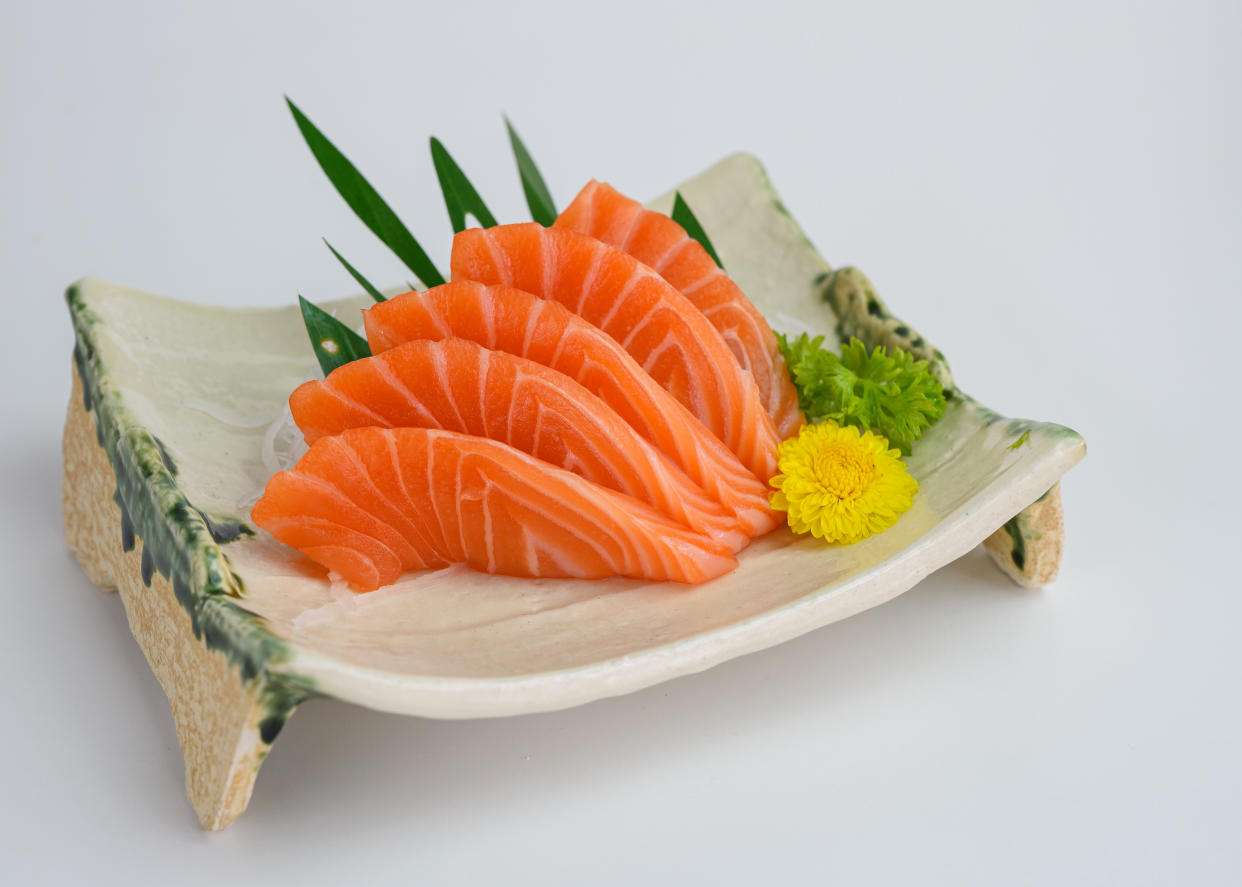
(662, 331)
(663, 245)
(506, 319)
(458, 385)
(494, 508)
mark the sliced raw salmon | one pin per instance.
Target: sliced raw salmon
(460, 386)
(663, 245)
(668, 336)
(488, 505)
(506, 319)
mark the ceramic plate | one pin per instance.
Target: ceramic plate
(190, 400)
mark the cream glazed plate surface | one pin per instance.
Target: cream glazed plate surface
(179, 418)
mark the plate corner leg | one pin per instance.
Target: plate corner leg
(1028, 547)
(221, 732)
(226, 721)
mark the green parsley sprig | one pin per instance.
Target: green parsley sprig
(892, 395)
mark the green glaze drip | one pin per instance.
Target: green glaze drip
(1026, 435)
(127, 526)
(224, 529)
(148, 566)
(127, 534)
(180, 542)
(164, 456)
(1013, 527)
(280, 698)
(1019, 530)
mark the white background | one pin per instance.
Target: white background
(1050, 192)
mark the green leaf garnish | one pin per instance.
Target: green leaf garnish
(687, 219)
(895, 396)
(459, 195)
(366, 202)
(362, 281)
(538, 197)
(335, 344)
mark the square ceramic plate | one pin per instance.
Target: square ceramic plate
(186, 401)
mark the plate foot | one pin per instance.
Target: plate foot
(1028, 547)
(220, 718)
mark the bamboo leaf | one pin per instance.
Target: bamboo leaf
(362, 281)
(335, 344)
(459, 195)
(684, 217)
(538, 197)
(365, 201)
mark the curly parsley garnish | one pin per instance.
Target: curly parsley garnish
(892, 395)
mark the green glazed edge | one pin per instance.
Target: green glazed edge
(180, 541)
(861, 313)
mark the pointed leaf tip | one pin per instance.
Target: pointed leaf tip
(460, 197)
(683, 216)
(538, 197)
(361, 281)
(365, 201)
(334, 343)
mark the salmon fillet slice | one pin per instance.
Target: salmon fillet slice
(490, 506)
(458, 385)
(663, 245)
(662, 331)
(514, 321)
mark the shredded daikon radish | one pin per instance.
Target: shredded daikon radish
(345, 600)
(229, 417)
(282, 443)
(280, 450)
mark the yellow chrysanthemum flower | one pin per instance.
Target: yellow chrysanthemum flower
(841, 485)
